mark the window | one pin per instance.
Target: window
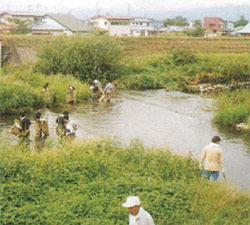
(120, 23)
(105, 23)
(140, 23)
(211, 25)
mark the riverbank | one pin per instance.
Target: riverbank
(22, 90)
(87, 182)
(167, 63)
(234, 109)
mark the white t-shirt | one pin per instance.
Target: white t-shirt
(142, 218)
(70, 128)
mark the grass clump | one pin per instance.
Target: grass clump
(22, 90)
(85, 183)
(233, 107)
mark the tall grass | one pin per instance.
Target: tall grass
(22, 90)
(181, 68)
(233, 107)
(85, 183)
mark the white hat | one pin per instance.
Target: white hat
(95, 81)
(131, 201)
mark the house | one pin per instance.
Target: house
(214, 25)
(157, 24)
(32, 17)
(242, 31)
(229, 25)
(141, 26)
(65, 24)
(114, 25)
(5, 28)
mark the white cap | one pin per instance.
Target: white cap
(95, 81)
(131, 201)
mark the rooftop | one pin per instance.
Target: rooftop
(112, 17)
(70, 22)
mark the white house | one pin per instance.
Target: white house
(242, 32)
(229, 25)
(32, 17)
(141, 26)
(57, 24)
(114, 25)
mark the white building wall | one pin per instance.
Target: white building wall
(102, 23)
(119, 30)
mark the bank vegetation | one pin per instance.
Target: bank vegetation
(85, 183)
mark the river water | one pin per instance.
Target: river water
(177, 120)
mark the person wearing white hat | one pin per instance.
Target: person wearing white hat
(137, 215)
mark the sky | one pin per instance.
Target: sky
(113, 6)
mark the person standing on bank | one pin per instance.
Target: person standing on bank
(212, 153)
(71, 94)
(46, 87)
(137, 215)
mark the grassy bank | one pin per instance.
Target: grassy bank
(85, 183)
(22, 90)
(181, 69)
(233, 107)
(174, 63)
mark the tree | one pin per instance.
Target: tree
(87, 58)
(241, 22)
(177, 21)
(20, 26)
(196, 32)
(197, 23)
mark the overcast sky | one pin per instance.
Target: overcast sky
(121, 6)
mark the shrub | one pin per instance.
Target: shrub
(85, 183)
(233, 107)
(182, 57)
(87, 58)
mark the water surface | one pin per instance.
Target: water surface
(159, 118)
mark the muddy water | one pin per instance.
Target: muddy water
(177, 120)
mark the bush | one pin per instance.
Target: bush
(87, 58)
(233, 107)
(86, 184)
(182, 57)
(196, 32)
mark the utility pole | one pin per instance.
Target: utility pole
(128, 9)
(97, 9)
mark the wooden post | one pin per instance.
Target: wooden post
(0, 52)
